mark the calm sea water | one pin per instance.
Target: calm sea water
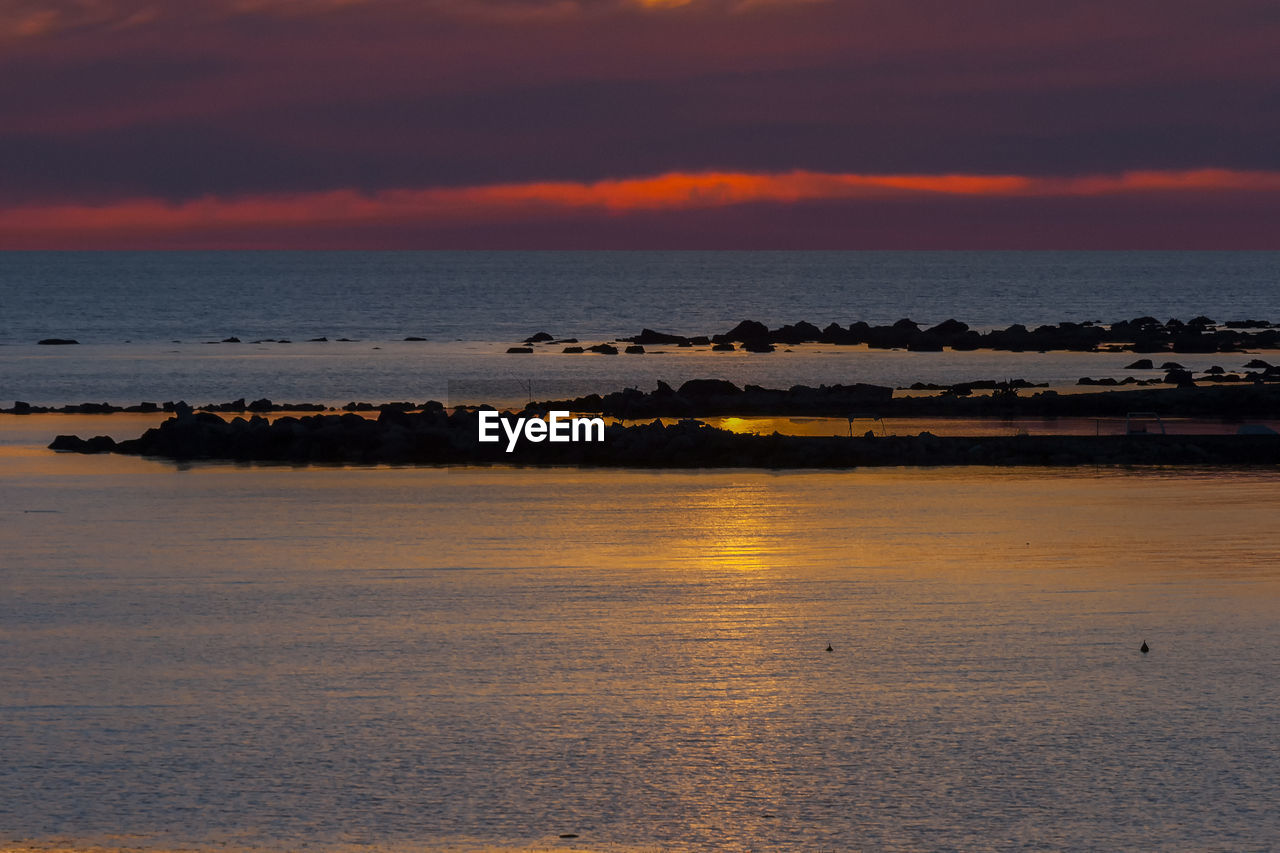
(217, 657)
(483, 659)
(146, 320)
(152, 297)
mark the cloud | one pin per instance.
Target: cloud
(673, 192)
(31, 19)
(214, 112)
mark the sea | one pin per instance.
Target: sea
(149, 325)
(213, 657)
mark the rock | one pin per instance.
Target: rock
(57, 342)
(926, 342)
(76, 444)
(1141, 364)
(635, 349)
(231, 340)
(722, 347)
(745, 331)
(520, 349)
(1257, 364)
(649, 336)
(1215, 370)
(948, 329)
(799, 333)
(572, 349)
(320, 340)
(604, 349)
(702, 388)
(410, 338)
(1172, 365)
(538, 338)
(757, 346)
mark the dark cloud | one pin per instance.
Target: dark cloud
(593, 130)
(105, 99)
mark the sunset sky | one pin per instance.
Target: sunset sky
(639, 124)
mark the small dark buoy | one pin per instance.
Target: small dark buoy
(829, 648)
(1145, 648)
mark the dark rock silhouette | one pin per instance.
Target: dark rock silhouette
(97, 444)
(1141, 334)
(1145, 648)
(650, 337)
(57, 342)
(707, 397)
(520, 349)
(538, 338)
(436, 437)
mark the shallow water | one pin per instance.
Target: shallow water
(420, 658)
(337, 373)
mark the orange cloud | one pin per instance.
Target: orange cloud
(29, 19)
(528, 201)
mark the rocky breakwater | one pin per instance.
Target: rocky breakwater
(1141, 334)
(707, 397)
(437, 437)
(712, 397)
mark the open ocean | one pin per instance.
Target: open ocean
(148, 323)
(218, 657)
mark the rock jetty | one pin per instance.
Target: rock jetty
(438, 437)
(713, 397)
(1140, 335)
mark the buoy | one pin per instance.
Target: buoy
(1145, 648)
(829, 648)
